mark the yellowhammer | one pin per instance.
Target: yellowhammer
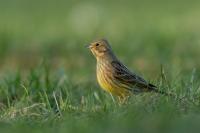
(113, 76)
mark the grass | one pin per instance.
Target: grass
(47, 77)
(49, 101)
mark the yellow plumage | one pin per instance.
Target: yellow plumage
(108, 83)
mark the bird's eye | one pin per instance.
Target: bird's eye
(97, 44)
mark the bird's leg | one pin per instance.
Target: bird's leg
(112, 97)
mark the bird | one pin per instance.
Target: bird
(113, 76)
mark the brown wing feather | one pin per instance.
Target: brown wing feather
(123, 75)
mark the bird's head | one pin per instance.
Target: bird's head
(100, 48)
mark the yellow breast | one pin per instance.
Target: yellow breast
(111, 86)
(103, 82)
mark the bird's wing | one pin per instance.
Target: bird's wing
(123, 75)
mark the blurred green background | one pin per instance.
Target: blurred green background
(144, 34)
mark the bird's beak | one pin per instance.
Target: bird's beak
(89, 46)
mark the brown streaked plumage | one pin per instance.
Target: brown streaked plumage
(113, 76)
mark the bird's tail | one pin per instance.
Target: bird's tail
(154, 88)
